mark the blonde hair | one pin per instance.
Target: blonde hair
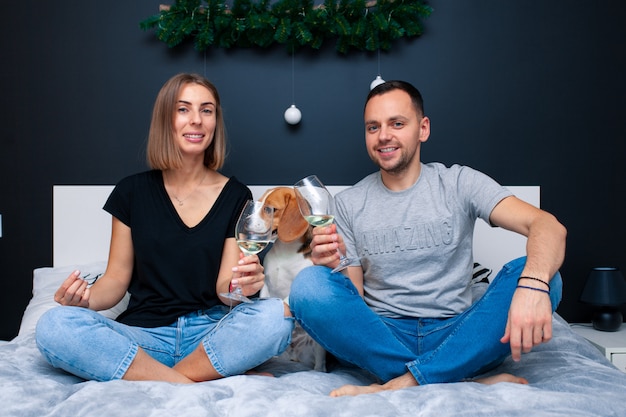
(162, 152)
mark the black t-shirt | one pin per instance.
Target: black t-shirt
(175, 266)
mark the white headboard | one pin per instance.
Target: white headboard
(82, 229)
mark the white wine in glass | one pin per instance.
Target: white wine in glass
(253, 233)
(324, 220)
(315, 203)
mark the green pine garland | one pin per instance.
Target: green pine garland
(355, 24)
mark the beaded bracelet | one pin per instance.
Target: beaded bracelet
(534, 279)
(534, 289)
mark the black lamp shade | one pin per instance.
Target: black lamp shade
(605, 289)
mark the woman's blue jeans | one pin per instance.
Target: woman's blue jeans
(89, 345)
(330, 309)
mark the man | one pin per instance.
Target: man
(404, 312)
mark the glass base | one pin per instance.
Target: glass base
(343, 264)
(236, 296)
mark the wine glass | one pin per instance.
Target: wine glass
(253, 233)
(315, 203)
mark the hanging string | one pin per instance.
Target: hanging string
(378, 80)
(293, 76)
(293, 115)
(208, 23)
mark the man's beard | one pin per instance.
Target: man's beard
(399, 167)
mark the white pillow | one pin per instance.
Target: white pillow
(45, 283)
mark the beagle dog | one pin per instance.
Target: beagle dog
(289, 254)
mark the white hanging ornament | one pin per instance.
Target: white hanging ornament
(293, 115)
(377, 81)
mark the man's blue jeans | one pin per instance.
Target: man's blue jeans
(330, 309)
(89, 345)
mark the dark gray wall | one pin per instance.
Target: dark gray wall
(531, 92)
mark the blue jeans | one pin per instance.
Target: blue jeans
(88, 345)
(434, 350)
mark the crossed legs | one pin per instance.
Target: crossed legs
(450, 350)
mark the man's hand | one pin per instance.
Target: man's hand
(529, 323)
(324, 246)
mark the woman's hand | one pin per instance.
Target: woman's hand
(73, 291)
(324, 246)
(248, 274)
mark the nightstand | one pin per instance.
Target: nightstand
(611, 344)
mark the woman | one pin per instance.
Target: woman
(173, 249)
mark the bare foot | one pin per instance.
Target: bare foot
(495, 379)
(403, 381)
(407, 380)
(259, 373)
(356, 390)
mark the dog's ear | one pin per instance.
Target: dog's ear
(291, 225)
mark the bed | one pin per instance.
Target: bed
(568, 376)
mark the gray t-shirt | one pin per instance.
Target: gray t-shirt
(415, 245)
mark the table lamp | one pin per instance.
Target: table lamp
(606, 290)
